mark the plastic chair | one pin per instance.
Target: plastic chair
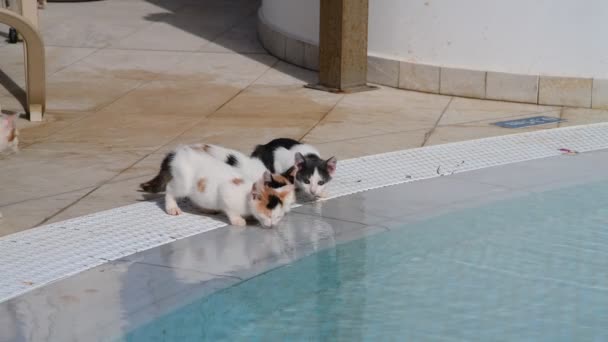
(33, 50)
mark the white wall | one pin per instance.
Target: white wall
(547, 37)
(297, 18)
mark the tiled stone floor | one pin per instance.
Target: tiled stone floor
(129, 79)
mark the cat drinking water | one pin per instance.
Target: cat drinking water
(212, 185)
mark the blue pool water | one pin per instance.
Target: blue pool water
(533, 268)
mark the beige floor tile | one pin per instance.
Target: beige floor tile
(463, 110)
(12, 70)
(377, 112)
(582, 116)
(116, 131)
(3, 28)
(136, 11)
(125, 64)
(71, 94)
(33, 174)
(108, 196)
(147, 168)
(221, 68)
(112, 74)
(166, 37)
(28, 214)
(243, 133)
(353, 148)
(174, 98)
(285, 74)
(448, 134)
(113, 113)
(242, 39)
(58, 58)
(270, 102)
(94, 23)
(12, 61)
(89, 32)
(196, 16)
(30, 132)
(12, 103)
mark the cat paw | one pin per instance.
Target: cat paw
(238, 221)
(174, 211)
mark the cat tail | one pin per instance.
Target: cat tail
(159, 183)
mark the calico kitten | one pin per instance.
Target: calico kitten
(313, 173)
(9, 140)
(252, 168)
(215, 186)
(9, 136)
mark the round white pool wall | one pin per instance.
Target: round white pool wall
(533, 37)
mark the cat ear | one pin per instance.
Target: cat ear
(267, 177)
(299, 161)
(255, 191)
(331, 164)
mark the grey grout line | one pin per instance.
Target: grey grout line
(76, 61)
(109, 180)
(322, 118)
(112, 181)
(275, 63)
(542, 145)
(102, 183)
(96, 187)
(81, 115)
(46, 196)
(561, 116)
(427, 136)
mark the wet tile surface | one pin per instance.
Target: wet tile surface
(122, 295)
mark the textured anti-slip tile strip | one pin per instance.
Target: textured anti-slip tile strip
(35, 257)
(372, 172)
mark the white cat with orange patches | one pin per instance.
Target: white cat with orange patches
(253, 168)
(9, 139)
(212, 185)
(8, 134)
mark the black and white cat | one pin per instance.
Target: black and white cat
(313, 172)
(287, 159)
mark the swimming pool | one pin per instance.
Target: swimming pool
(530, 267)
(514, 252)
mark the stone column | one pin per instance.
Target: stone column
(343, 45)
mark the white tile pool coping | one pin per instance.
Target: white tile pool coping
(39, 256)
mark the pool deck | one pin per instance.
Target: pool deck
(113, 298)
(130, 79)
